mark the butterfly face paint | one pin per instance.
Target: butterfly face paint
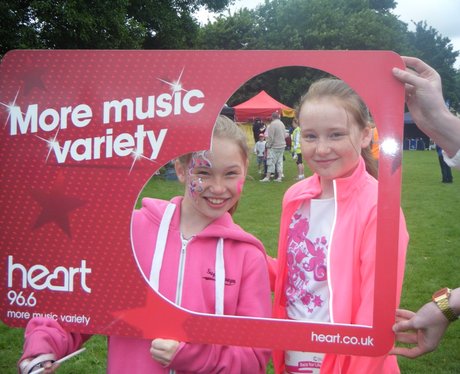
(214, 179)
(198, 176)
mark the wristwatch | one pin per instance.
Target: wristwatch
(441, 298)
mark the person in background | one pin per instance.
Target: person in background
(276, 143)
(194, 255)
(446, 173)
(327, 242)
(259, 151)
(258, 127)
(424, 330)
(296, 151)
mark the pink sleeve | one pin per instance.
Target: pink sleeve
(386, 363)
(272, 264)
(44, 335)
(254, 300)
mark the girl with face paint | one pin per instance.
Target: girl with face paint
(213, 179)
(190, 251)
(213, 248)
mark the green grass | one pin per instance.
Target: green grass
(432, 211)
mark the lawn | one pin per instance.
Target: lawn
(432, 211)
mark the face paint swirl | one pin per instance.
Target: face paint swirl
(197, 176)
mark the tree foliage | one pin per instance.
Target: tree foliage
(275, 24)
(324, 24)
(103, 24)
(438, 52)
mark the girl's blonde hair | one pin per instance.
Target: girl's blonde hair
(352, 103)
(225, 128)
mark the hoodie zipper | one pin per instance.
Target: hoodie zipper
(180, 271)
(157, 262)
(329, 255)
(180, 275)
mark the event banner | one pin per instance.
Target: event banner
(84, 131)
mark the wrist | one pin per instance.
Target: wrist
(442, 300)
(454, 301)
(444, 129)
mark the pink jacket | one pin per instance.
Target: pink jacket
(351, 263)
(246, 293)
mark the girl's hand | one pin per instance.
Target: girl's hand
(163, 350)
(43, 364)
(49, 367)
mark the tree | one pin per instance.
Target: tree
(234, 32)
(325, 24)
(16, 30)
(438, 52)
(304, 25)
(382, 5)
(103, 24)
(329, 24)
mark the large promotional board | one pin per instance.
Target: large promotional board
(83, 132)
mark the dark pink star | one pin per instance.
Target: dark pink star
(56, 207)
(32, 78)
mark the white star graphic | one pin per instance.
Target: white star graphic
(176, 86)
(52, 142)
(137, 155)
(10, 107)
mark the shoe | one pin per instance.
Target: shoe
(278, 180)
(266, 179)
(300, 177)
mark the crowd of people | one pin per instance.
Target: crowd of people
(325, 267)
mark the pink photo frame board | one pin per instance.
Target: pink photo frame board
(75, 157)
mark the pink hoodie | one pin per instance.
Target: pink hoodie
(246, 293)
(351, 263)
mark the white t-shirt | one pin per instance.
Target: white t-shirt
(307, 291)
(453, 162)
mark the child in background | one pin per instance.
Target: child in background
(259, 151)
(196, 256)
(326, 252)
(296, 151)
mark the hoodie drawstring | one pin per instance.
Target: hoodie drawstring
(160, 246)
(157, 260)
(220, 277)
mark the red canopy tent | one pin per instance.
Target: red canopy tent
(260, 106)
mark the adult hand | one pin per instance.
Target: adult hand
(163, 350)
(423, 87)
(426, 104)
(422, 330)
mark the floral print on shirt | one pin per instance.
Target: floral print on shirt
(306, 261)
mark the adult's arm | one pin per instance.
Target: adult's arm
(426, 104)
